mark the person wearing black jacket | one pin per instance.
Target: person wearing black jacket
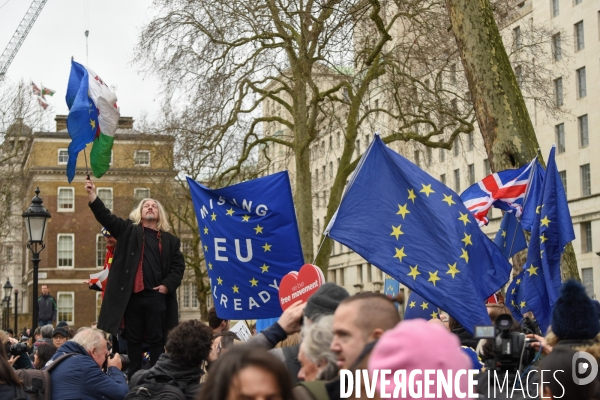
(146, 271)
(188, 345)
(46, 307)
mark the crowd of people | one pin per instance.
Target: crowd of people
(336, 332)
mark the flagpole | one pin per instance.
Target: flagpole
(526, 197)
(87, 173)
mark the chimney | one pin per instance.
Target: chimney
(61, 122)
(125, 122)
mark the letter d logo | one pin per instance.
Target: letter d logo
(585, 368)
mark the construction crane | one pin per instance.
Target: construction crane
(18, 38)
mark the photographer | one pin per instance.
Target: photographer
(11, 386)
(17, 353)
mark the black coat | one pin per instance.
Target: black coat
(124, 267)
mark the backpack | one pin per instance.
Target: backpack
(36, 382)
(170, 390)
(316, 389)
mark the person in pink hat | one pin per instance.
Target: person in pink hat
(417, 345)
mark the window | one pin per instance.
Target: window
(100, 250)
(358, 148)
(519, 75)
(577, 2)
(338, 140)
(579, 38)
(555, 9)
(316, 176)
(63, 156)
(65, 303)
(359, 273)
(443, 178)
(369, 273)
(517, 39)
(417, 158)
(141, 193)
(586, 237)
(9, 254)
(190, 295)
(98, 304)
(331, 275)
(106, 195)
(65, 253)
(456, 146)
(586, 184)
(66, 199)
(324, 174)
(428, 153)
(471, 174)
(582, 123)
(318, 226)
(587, 280)
(560, 138)
(340, 277)
(556, 47)
(141, 158)
(454, 105)
(453, 74)
(487, 170)
(330, 169)
(442, 155)
(581, 86)
(558, 91)
(330, 142)
(563, 179)
(471, 141)
(457, 180)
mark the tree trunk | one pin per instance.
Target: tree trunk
(501, 112)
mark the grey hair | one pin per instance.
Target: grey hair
(46, 331)
(89, 338)
(316, 343)
(162, 223)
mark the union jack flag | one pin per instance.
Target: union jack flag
(505, 190)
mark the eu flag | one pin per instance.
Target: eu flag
(416, 229)
(391, 287)
(510, 238)
(418, 307)
(534, 191)
(536, 288)
(250, 239)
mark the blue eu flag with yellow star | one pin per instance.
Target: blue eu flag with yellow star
(418, 307)
(391, 287)
(536, 288)
(416, 229)
(250, 240)
(510, 238)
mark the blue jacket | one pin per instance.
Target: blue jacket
(80, 378)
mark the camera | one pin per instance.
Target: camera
(512, 350)
(16, 349)
(124, 360)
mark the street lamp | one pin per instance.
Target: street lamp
(36, 218)
(16, 307)
(7, 295)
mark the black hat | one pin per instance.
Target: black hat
(575, 317)
(60, 330)
(325, 300)
(61, 324)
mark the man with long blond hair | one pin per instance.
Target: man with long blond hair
(146, 271)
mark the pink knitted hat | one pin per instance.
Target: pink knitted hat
(416, 344)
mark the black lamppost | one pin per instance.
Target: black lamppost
(35, 218)
(7, 295)
(4, 323)
(16, 307)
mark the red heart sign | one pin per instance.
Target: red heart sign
(300, 285)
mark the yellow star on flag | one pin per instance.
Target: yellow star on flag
(543, 238)
(424, 305)
(433, 277)
(254, 282)
(264, 268)
(258, 229)
(396, 231)
(235, 289)
(205, 230)
(245, 218)
(448, 199)
(426, 189)
(513, 291)
(519, 281)
(504, 234)
(205, 248)
(538, 208)
(467, 240)
(411, 195)
(434, 315)
(532, 270)
(93, 124)
(412, 304)
(465, 255)
(513, 302)
(219, 281)
(209, 266)
(464, 218)
(267, 247)
(213, 217)
(453, 271)
(545, 222)
(414, 272)
(402, 210)
(400, 254)
(230, 212)
(523, 304)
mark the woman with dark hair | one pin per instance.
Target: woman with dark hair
(43, 354)
(249, 373)
(10, 386)
(559, 383)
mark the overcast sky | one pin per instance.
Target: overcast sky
(58, 34)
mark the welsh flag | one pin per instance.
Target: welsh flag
(93, 117)
(47, 91)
